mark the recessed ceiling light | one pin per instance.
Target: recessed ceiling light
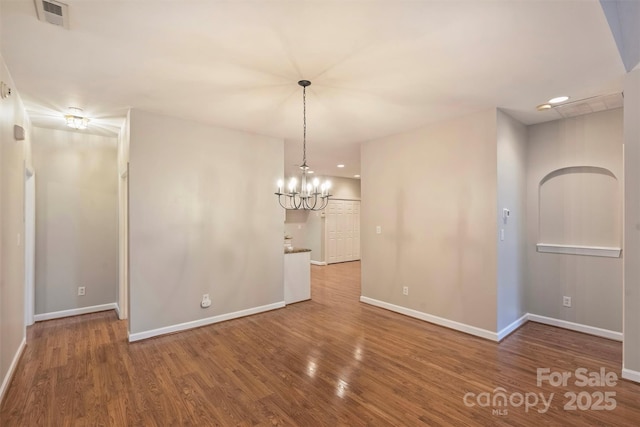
(356, 176)
(310, 172)
(543, 107)
(558, 99)
(340, 166)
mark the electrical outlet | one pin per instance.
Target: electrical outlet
(405, 290)
(378, 229)
(81, 290)
(206, 301)
(566, 301)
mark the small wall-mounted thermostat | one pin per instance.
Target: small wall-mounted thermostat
(505, 214)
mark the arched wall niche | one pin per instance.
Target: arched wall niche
(580, 212)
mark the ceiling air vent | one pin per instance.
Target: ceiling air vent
(590, 105)
(53, 12)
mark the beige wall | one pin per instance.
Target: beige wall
(202, 219)
(344, 188)
(315, 235)
(433, 192)
(574, 211)
(13, 157)
(631, 358)
(76, 219)
(295, 225)
(511, 152)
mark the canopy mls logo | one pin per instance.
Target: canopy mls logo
(500, 401)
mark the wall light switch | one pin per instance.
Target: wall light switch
(378, 229)
(502, 234)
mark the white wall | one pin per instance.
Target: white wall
(76, 219)
(576, 212)
(511, 152)
(202, 219)
(631, 356)
(433, 192)
(14, 155)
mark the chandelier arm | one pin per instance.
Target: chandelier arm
(296, 204)
(280, 200)
(321, 205)
(307, 206)
(315, 202)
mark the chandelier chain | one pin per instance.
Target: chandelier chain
(304, 125)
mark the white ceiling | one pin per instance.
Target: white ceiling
(377, 67)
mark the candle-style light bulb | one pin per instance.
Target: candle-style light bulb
(280, 184)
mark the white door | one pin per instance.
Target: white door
(29, 245)
(342, 231)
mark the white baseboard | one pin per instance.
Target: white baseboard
(578, 327)
(12, 369)
(500, 335)
(117, 309)
(203, 322)
(318, 262)
(512, 327)
(630, 375)
(451, 324)
(74, 312)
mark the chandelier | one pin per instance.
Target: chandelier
(312, 196)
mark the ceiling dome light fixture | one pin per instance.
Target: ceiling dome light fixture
(312, 195)
(75, 119)
(558, 99)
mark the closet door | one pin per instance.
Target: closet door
(342, 231)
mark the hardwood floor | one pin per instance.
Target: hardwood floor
(330, 361)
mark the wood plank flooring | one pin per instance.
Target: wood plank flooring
(326, 362)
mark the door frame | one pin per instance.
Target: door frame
(29, 245)
(123, 242)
